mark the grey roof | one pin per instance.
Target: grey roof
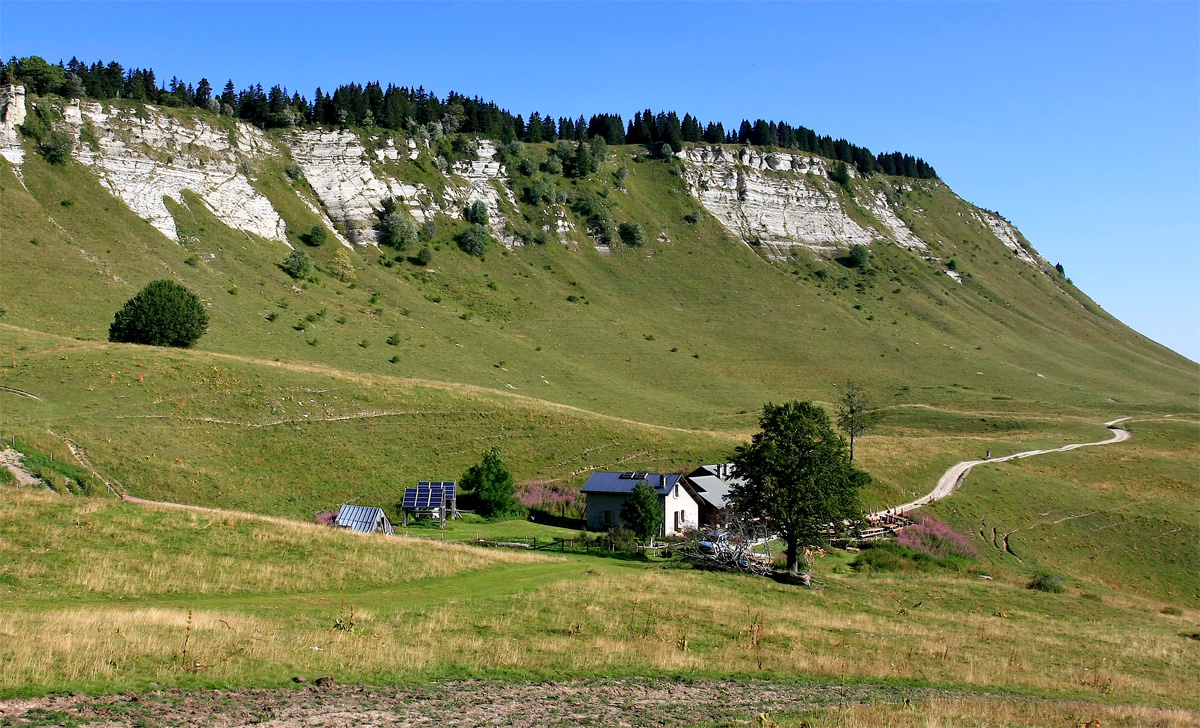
(363, 519)
(712, 489)
(710, 486)
(606, 482)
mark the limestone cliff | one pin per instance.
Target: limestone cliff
(144, 157)
(352, 183)
(777, 201)
(782, 200)
(12, 114)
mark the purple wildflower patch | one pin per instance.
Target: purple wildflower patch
(550, 497)
(326, 519)
(933, 537)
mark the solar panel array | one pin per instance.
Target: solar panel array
(634, 476)
(429, 494)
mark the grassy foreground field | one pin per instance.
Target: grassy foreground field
(107, 596)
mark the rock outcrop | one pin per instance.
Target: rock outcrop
(781, 200)
(12, 114)
(775, 200)
(143, 157)
(336, 165)
(352, 185)
(1008, 235)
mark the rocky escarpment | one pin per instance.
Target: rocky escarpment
(12, 114)
(1008, 235)
(337, 167)
(353, 183)
(144, 157)
(781, 201)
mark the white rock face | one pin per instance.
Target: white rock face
(485, 181)
(1007, 234)
(144, 158)
(882, 210)
(335, 165)
(767, 198)
(12, 114)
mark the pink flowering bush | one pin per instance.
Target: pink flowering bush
(932, 537)
(552, 498)
(326, 519)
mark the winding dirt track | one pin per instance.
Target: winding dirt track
(954, 477)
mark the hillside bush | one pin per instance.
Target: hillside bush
(424, 256)
(476, 213)
(632, 234)
(315, 237)
(163, 313)
(396, 229)
(428, 230)
(57, 147)
(859, 256)
(475, 240)
(1046, 581)
(342, 267)
(297, 264)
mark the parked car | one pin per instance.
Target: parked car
(715, 542)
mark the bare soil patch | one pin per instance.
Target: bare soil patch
(615, 702)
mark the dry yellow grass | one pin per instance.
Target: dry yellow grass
(78, 546)
(994, 713)
(639, 622)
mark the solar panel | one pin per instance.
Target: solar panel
(626, 476)
(363, 519)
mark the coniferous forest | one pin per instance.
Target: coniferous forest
(405, 108)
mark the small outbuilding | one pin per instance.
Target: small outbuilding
(711, 484)
(363, 519)
(607, 491)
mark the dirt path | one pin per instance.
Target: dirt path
(612, 702)
(953, 478)
(11, 459)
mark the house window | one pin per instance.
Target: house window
(607, 518)
(677, 490)
(677, 517)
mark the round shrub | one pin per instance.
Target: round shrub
(163, 313)
(475, 240)
(1046, 581)
(632, 234)
(297, 264)
(859, 255)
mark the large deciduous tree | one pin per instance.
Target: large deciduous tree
(492, 483)
(795, 475)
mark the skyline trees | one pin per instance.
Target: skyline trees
(404, 108)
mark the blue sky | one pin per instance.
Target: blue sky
(1078, 122)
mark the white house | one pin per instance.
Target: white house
(607, 491)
